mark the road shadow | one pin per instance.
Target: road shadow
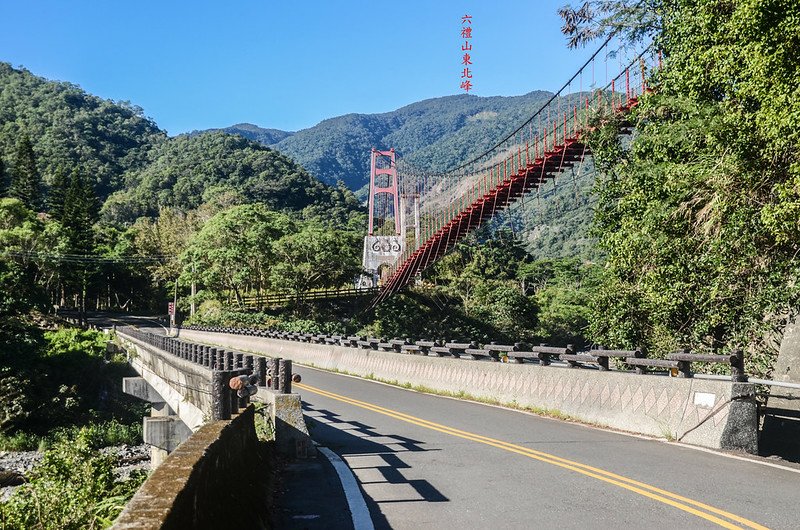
(382, 460)
(780, 431)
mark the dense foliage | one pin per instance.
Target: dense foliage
(251, 249)
(70, 128)
(484, 290)
(700, 215)
(72, 487)
(189, 170)
(62, 379)
(258, 134)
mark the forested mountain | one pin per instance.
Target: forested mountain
(57, 128)
(69, 127)
(435, 134)
(188, 170)
(253, 132)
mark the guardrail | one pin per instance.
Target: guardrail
(224, 366)
(677, 363)
(328, 294)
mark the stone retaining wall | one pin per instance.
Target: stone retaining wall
(709, 413)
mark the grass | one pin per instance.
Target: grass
(96, 435)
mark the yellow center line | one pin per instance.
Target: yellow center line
(672, 499)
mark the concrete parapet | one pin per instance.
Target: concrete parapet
(286, 413)
(709, 413)
(183, 385)
(218, 478)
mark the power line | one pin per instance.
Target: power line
(88, 258)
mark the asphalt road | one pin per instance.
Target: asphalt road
(424, 461)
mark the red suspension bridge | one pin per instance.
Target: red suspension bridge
(452, 204)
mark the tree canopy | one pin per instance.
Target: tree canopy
(700, 215)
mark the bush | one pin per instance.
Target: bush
(66, 382)
(19, 441)
(72, 487)
(94, 435)
(73, 341)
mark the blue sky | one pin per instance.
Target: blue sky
(284, 64)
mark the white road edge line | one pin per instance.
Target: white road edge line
(355, 500)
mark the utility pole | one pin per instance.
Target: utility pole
(194, 291)
(174, 307)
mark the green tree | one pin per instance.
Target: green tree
(699, 215)
(26, 183)
(163, 239)
(3, 181)
(25, 241)
(315, 257)
(79, 216)
(80, 213)
(632, 20)
(57, 194)
(233, 251)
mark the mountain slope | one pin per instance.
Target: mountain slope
(252, 132)
(188, 170)
(433, 134)
(72, 128)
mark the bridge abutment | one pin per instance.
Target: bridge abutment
(163, 430)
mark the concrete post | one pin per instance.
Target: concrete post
(220, 395)
(272, 369)
(261, 370)
(220, 363)
(228, 360)
(285, 376)
(163, 434)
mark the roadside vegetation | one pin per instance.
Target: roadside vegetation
(694, 238)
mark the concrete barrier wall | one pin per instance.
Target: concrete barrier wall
(185, 386)
(709, 413)
(218, 478)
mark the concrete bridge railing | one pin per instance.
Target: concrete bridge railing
(711, 413)
(219, 478)
(190, 384)
(210, 469)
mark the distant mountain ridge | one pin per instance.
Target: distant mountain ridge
(438, 134)
(258, 134)
(433, 134)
